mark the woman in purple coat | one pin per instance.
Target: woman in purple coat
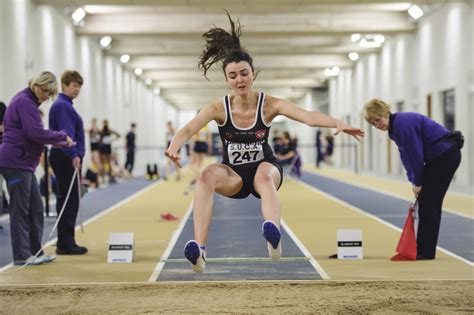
(24, 138)
(430, 156)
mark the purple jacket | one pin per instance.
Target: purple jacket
(63, 116)
(417, 139)
(24, 136)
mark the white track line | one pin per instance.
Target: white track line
(384, 192)
(174, 238)
(97, 216)
(169, 248)
(447, 252)
(305, 251)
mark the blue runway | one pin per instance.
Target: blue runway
(237, 249)
(456, 234)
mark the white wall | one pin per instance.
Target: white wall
(437, 57)
(37, 38)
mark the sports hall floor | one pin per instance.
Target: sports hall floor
(313, 208)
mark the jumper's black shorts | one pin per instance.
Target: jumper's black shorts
(248, 175)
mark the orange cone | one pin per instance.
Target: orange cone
(406, 247)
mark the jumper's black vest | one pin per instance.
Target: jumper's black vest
(245, 147)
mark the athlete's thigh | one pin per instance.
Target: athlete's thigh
(268, 169)
(227, 181)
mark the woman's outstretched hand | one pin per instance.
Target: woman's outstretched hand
(174, 157)
(355, 132)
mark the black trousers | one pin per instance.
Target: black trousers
(437, 175)
(63, 169)
(130, 160)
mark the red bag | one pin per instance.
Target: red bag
(406, 248)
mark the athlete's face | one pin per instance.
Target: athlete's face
(239, 77)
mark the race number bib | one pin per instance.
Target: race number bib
(244, 153)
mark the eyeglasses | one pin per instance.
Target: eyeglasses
(46, 91)
(375, 121)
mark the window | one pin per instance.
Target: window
(449, 102)
(399, 106)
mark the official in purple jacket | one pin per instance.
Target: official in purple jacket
(64, 161)
(430, 159)
(24, 138)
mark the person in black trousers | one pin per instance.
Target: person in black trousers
(3, 109)
(64, 162)
(431, 155)
(130, 146)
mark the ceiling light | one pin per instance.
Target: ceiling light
(355, 37)
(368, 40)
(138, 71)
(157, 91)
(332, 72)
(415, 12)
(124, 58)
(368, 43)
(105, 41)
(353, 56)
(148, 81)
(379, 38)
(78, 15)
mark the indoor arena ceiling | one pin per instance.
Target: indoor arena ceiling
(292, 42)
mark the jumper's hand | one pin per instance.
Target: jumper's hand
(355, 132)
(174, 157)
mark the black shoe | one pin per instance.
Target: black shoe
(420, 257)
(76, 250)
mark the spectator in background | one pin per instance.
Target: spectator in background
(288, 155)
(287, 151)
(202, 147)
(3, 108)
(48, 177)
(23, 143)
(94, 137)
(276, 141)
(169, 137)
(130, 147)
(329, 148)
(65, 161)
(319, 148)
(107, 136)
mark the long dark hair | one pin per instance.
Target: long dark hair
(223, 46)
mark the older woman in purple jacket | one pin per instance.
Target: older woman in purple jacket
(430, 156)
(24, 138)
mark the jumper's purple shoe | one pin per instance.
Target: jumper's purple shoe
(196, 255)
(272, 234)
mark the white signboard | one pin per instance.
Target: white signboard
(349, 244)
(121, 248)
